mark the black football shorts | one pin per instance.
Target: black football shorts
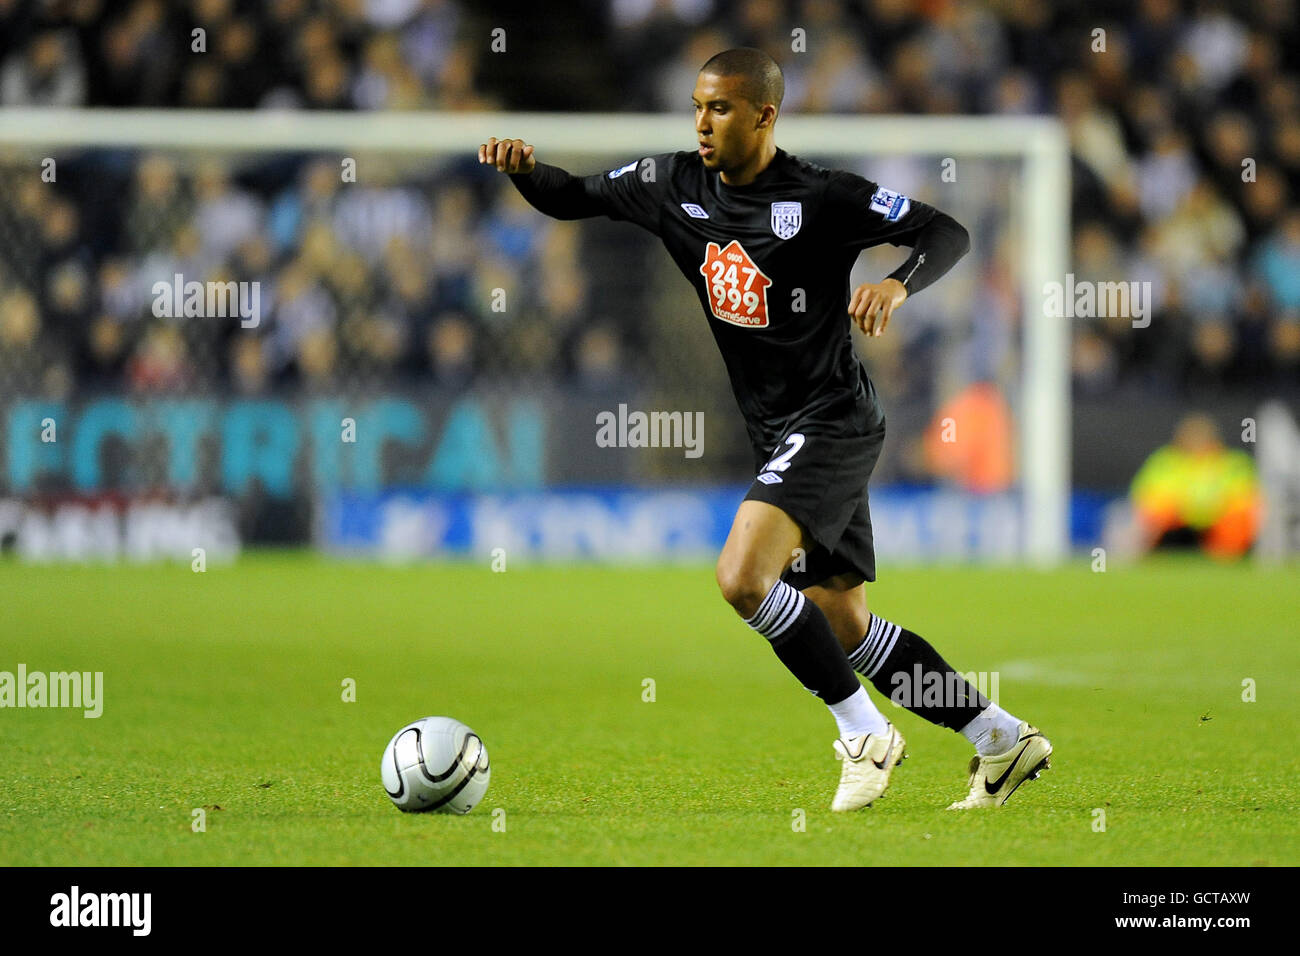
(819, 478)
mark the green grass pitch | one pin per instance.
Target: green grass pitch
(224, 690)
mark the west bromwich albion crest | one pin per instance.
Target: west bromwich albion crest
(787, 217)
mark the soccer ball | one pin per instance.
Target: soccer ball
(435, 764)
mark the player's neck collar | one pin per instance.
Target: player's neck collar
(763, 175)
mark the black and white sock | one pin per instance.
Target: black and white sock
(803, 640)
(905, 668)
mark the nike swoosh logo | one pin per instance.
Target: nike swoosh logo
(880, 765)
(997, 784)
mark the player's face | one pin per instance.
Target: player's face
(726, 123)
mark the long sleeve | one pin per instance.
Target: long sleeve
(556, 193)
(632, 193)
(935, 250)
(862, 214)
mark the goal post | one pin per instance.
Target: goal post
(1041, 210)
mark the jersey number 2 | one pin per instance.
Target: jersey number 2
(782, 461)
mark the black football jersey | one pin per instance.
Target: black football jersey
(770, 263)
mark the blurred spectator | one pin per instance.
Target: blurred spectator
(317, 359)
(969, 443)
(1165, 175)
(48, 73)
(451, 345)
(367, 217)
(598, 359)
(673, 80)
(160, 362)
(300, 306)
(1095, 134)
(105, 358)
(428, 38)
(158, 205)
(1194, 492)
(1216, 45)
(385, 80)
(20, 328)
(139, 53)
(225, 216)
(453, 247)
(839, 81)
(1202, 231)
(1277, 264)
(249, 370)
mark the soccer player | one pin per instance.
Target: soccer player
(768, 241)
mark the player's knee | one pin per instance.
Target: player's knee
(742, 586)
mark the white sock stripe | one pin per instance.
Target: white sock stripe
(865, 652)
(780, 626)
(778, 610)
(879, 635)
(870, 639)
(883, 650)
(774, 598)
(889, 637)
(858, 653)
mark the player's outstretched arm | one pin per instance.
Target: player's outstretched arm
(548, 189)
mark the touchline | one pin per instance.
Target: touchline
(78, 689)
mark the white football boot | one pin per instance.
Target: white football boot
(994, 779)
(868, 760)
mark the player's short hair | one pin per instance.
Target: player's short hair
(763, 80)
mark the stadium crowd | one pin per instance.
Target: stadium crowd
(1183, 118)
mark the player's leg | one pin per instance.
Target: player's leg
(901, 664)
(904, 667)
(843, 600)
(761, 545)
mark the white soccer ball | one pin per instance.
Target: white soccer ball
(435, 764)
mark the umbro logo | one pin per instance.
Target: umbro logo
(769, 478)
(694, 211)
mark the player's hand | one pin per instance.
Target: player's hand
(873, 303)
(507, 155)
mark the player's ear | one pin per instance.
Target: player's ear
(766, 116)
